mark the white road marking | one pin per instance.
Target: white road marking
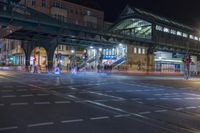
(177, 98)
(62, 102)
(109, 91)
(178, 109)
(38, 103)
(99, 118)
(72, 96)
(8, 96)
(70, 121)
(8, 87)
(72, 88)
(189, 98)
(158, 94)
(81, 101)
(144, 113)
(101, 94)
(150, 99)
(159, 111)
(163, 98)
(190, 107)
(41, 124)
(8, 128)
(14, 104)
(1, 104)
(135, 99)
(21, 90)
(42, 94)
(6, 90)
(118, 100)
(27, 95)
(101, 100)
(122, 115)
(105, 106)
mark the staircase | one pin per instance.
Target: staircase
(119, 62)
(90, 60)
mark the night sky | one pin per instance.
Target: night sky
(183, 11)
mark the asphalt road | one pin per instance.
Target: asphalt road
(98, 103)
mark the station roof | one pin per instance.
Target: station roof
(130, 11)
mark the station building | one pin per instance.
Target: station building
(159, 43)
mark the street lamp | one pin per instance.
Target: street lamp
(72, 51)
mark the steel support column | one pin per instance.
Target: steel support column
(28, 48)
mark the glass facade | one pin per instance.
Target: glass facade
(177, 33)
(135, 28)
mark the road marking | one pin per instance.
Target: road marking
(14, 104)
(106, 106)
(190, 107)
(41, 124)
(70, 121)
(8, 96)
(101, 94)
(118, 100)
(27, 95)
(163, 98)
(178, 109)
(1, 104)
(144, 113)
(177, 98)
(72, 88)
(8, 128)
(38, 103)
(21, 90)
(72, 96)
(189, 98)
(6, 90)
(81, 101)
(110, 91)
(42, 94)
(159, 111)
(158, 94)
(62, 102)
(101, 100)
(135, 99)
(150, 99)
(122, 115)
(99, 118)
(8, 87)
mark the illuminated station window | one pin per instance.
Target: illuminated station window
(179, 33)
(185, 35)
(166, 30)
(173, 32)
(159, 28)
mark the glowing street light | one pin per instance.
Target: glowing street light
(72, 51)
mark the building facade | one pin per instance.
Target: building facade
(146, 41)
(68, 12)
(11, 52)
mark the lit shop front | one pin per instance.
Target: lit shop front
(172, 62)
